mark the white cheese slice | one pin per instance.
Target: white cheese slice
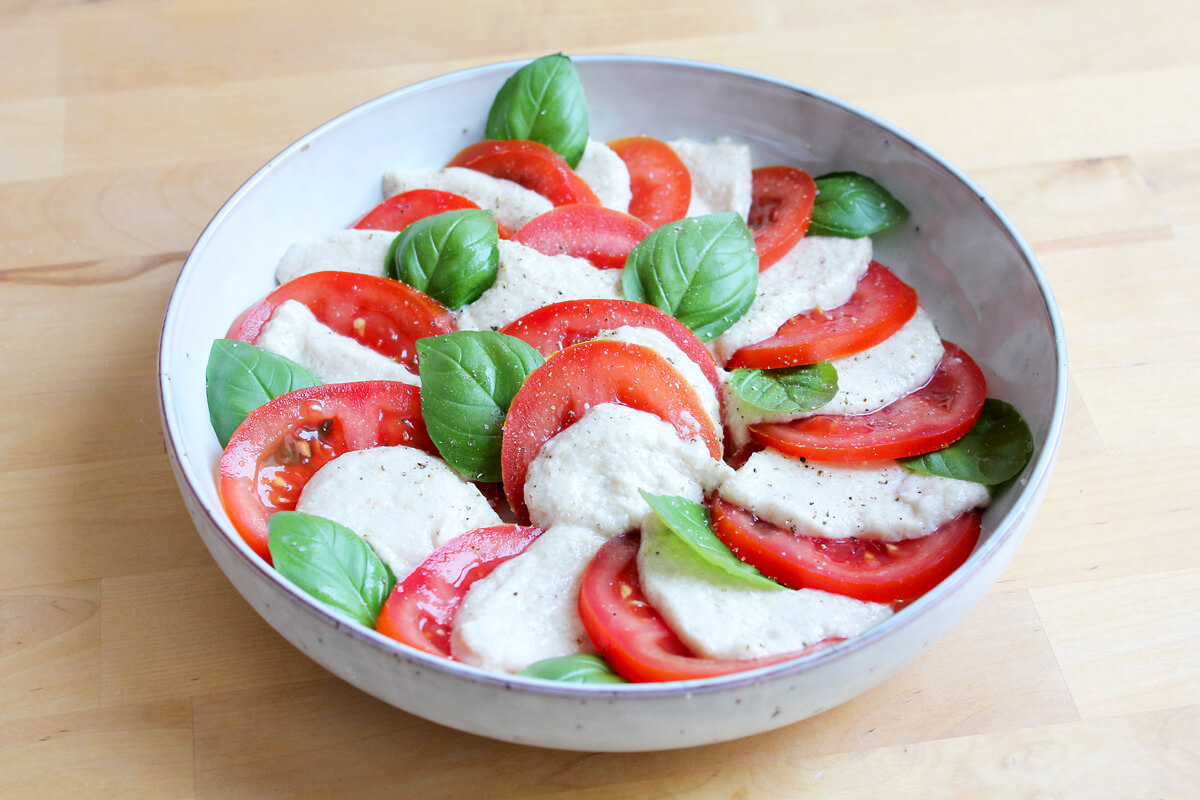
(404, 502)
(512, 204)
(346, 251)
(527, 280)
(526, 610)
(720, 617)
(294, 332)
(881, 500)
(589, 475)
(721, 175)
(604, 171)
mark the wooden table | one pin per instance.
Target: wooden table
(129, 667)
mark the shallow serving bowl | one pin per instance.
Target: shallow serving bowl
(973, 271)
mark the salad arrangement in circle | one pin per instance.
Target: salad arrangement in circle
(635, 411)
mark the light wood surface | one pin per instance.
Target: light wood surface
(130, 668)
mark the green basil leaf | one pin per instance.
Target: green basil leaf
(577, 668)
(330, 562)
(689, 522)
(468, 379)
(992, 452)
(241, 377)
(452, 256)
(853, 206)
(787, 390)
(701, 270)
(543, 101)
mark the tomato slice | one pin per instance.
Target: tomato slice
(420, 611)
(601, 235)
(385, 315)
(398, 211)
(865, 569)
(781, 204)
(630, 634)
(880, 306)
(558, 394)
(559, 325)
(658, 178)
(928, 419)
(531, 164)
(281, 444)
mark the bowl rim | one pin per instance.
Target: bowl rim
(1035, 475)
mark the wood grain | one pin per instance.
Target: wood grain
(129, 667)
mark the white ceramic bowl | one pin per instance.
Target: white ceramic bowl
(972, 270)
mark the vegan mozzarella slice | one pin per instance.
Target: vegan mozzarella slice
(881, 500)
(346, 251)
(718, 616)
(604, 171)
(526, 610)
(511, 203)
(527, 280)
(294, 332)
(404, 502)
(721, 175)
(590, 474)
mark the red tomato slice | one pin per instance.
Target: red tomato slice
(281, 444)
(558, 393)
(880, 306)
(865, 569)
(531, 164)
(559, 325)
(385, 315)
(420, 611)
(602, 236)
(928, 419)
(781, 206)
(398, 211)
(659, 180)
(630, 634)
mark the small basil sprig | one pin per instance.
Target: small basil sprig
(468, 379)
(688, 522)
(330, 562)
(995, 450)
(543, 101)
(577, 668)
(852, 206)
(788, 390)
(701, 270)
(241, 377)
(452, 257)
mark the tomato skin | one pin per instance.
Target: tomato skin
(380, 313)
(781, 207)
(873, 571)
(421, 609)
(601, 235)
(531, 164)
(630, 634)
(659, 180)
(558, 394)
(880, 306)
(281, 444)
(928, 419)
(397, 212)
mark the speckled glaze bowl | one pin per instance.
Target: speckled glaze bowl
(973, 271)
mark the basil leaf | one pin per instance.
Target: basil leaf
(452, 256)
(543, 101)
(241, 377)
(468, 379)
(689, 522)
(577, 668)
(330, 562)
(853, 206)
(701, 270)
(788, 390)
(995, 450)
